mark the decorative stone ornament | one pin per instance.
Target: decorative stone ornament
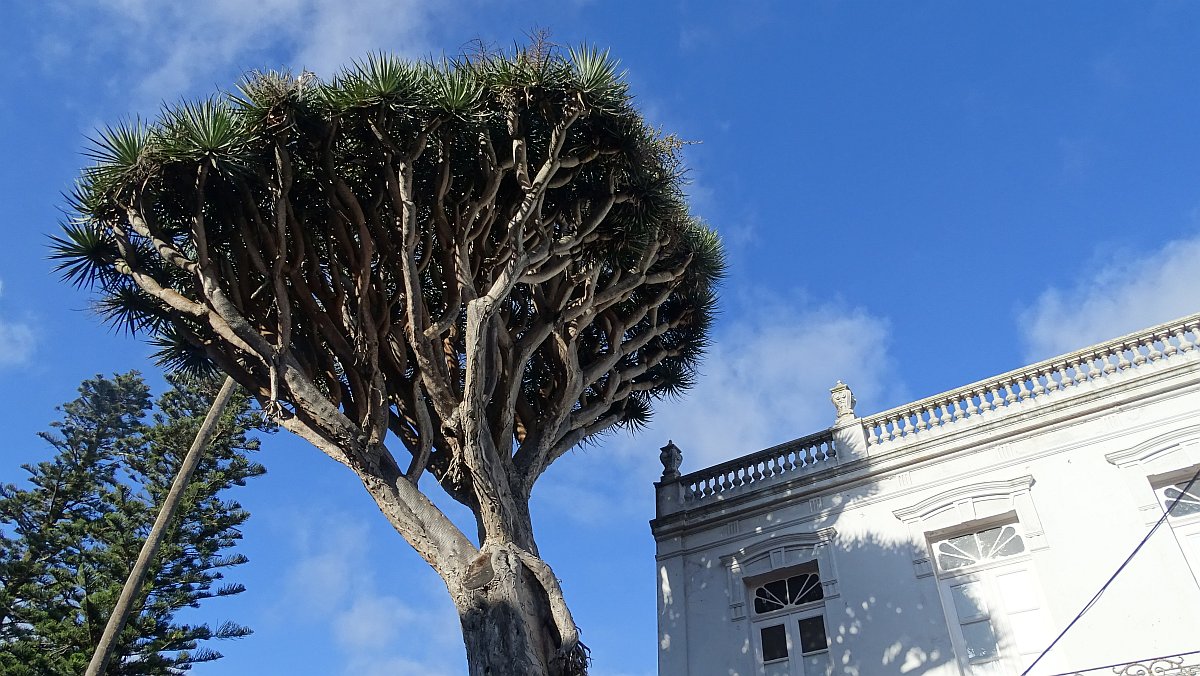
(843, 402)
(671, 458)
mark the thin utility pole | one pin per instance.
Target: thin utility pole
(133, 585)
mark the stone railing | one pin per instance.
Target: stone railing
(1184, 664)
(1033, 385)
(753, 471)
(1028, 387)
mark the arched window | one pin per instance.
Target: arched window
(793, 591)
(789, 622)
(991, 544)
(1182, 503)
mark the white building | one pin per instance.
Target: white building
(958, 534)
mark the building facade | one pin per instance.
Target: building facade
(958, 534)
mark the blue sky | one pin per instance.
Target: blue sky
(914, 195)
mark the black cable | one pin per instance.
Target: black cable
(1088, 606)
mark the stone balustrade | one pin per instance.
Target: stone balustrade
(753, 471)
(1033, 385)
(1025, 388)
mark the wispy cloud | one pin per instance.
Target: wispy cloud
(182, 48)
(767, 378)
(1123, 293)
(765, 381)
(16, 339)
(331, 581)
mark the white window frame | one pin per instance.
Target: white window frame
(979, 502)
(775, 558)
(1169, 458)
(789, 617)
(762, 559)
(1183, 527)
(984, 573)
(968, 509)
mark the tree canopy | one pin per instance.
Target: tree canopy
(68, 539)
(489, 259)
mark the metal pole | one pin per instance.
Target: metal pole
(133, 585)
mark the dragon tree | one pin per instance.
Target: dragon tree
(438, 273)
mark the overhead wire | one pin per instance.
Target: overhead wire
(1088, 606)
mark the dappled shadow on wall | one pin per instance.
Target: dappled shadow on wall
(889, 622)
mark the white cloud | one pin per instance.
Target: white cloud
(765, 381)
(1125, 292)
(767, 378)
(331, 581)
(16, 339)
(177, 48)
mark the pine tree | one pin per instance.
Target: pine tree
(69, 538)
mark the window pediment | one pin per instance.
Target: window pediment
(997, 495)
(1175, 448)
(780, 557)
(978, 503)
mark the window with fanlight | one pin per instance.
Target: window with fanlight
(991, 597)
(990, 544)
(789, 623)
(1181, 496)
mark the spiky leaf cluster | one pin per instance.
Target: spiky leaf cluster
(326, 238)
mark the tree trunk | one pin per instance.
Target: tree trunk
(508, 626)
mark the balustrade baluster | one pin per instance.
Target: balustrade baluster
(1190, 344)
(1094, 370)
(1009, 397)
(1138, 357)
(1106, 358)
(1169, 349)
(1181, 339)
(924, 419)
(971, 408)
(944, 418)
(1022, 392)
(1123, 362)
(1154, 355)
(1080, 366)
(1051, 383)
(1036, 378)
(960, 407)
(1064, 378)
(996, 402)
(908, 428)
(788, 453)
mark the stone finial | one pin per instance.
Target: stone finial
(671, 458)
(843, 402)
